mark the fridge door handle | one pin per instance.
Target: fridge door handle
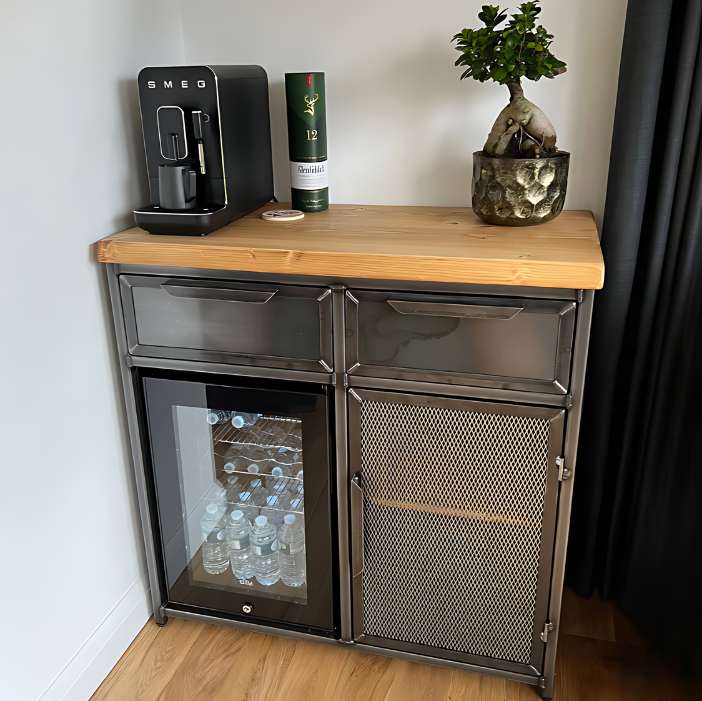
(219, 293)
(481, 308)
(356, 525)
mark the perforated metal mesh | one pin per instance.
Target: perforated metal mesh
(453, 504)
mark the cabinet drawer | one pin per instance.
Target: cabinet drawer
(228, 322)
(522, 344)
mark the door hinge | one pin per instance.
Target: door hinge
(563, 471)
(548, 628)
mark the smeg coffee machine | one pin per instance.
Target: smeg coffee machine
(208, 146)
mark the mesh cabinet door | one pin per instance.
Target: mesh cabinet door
(453, 508)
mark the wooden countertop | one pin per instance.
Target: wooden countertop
(436, 244)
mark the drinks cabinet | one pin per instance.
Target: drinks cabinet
(405, 382)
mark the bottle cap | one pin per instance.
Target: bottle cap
(282, 215)
(229, 467)
(289, 519)
(212, 508)
(238, 422)
(277, 472)
(299, 475)
(212, 418)
(236, 515)
(261, 521)
(253, 467)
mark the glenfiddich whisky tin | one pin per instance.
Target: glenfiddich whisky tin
(307, 141)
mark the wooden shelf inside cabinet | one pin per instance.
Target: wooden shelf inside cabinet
(458, 513)
(436, 244)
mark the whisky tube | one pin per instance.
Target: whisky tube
(307, 141)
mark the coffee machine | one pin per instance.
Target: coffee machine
(208, 146)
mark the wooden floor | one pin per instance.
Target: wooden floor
(601, 657)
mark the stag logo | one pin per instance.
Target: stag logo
(310, 104)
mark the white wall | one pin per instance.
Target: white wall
(72, 589)
(402, 127)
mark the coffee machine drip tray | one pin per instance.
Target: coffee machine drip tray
(198, 221)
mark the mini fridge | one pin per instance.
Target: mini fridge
(220, 445)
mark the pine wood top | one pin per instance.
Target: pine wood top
(434, 244)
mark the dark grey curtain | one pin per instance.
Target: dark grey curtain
(637, 513)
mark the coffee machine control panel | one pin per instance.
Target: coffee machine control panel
(180, 115)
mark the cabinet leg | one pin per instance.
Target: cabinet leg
(159, 618)
(547, 691)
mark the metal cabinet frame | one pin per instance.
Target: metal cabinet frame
(559, 385)
(225, 291)
(343, 382)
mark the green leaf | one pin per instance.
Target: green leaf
(500, 74)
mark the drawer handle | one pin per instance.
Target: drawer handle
(219, 293)
(466, 311)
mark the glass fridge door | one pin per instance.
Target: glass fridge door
(241, 484)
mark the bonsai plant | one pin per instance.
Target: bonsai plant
(520, 176)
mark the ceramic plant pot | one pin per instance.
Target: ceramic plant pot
(519, 191)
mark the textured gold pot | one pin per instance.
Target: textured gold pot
(519, 191)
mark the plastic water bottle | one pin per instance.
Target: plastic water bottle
(217, 416)
(294, 503)
(264, 546)
(238, 532)
(233, 488)
(241, 419)
(219, 498)
(273, 510)
(210, 519)
(247, 505)
(215, 552)
(291, 539)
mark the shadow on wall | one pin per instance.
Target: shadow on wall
(279, 138)
(136, 186)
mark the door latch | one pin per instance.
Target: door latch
(548, 627)
(563, 471)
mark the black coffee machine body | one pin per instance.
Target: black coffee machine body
(208, 146)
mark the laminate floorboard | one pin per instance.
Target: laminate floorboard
(601, 657)
(363, 676)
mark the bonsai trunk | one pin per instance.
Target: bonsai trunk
(538, 137)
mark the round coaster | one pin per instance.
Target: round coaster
(283, 215)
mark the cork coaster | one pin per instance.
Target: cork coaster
(283, 215)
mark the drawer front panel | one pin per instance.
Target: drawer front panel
(453, 511)
(504, 343)
(240, 323)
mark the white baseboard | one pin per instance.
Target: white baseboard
(87, 669)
